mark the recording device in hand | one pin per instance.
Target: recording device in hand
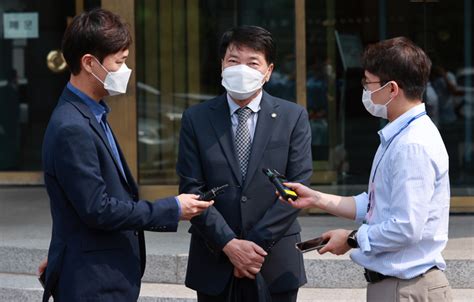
(42, 279)
(277, 179)
(312, 244)
(212, 193)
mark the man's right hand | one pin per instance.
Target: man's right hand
(307, 198)
(191, 206)
(246, 256)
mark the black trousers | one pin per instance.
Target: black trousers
(248, 295)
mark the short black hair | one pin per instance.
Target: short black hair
(253, 37)
(399, 60)
(98, 32)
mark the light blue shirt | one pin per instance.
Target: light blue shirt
(254, 105)
(407, 227)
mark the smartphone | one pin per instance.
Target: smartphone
(42, 279)
(312, 244)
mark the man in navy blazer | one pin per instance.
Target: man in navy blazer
(248, 233)
(97, 249)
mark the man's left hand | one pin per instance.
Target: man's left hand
(337, 243)
(42, 266)
(238, 273)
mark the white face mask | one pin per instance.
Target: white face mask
(377, 110)
(115, 82)
(241, 81)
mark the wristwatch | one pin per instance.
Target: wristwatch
(352, 240)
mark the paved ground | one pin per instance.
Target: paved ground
(25, 229)
(25, 222)
(26, 288)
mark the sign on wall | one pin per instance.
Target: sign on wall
(350, 48)
(20, 25)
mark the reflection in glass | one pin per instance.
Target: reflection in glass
(10, 122)
(334, 91)
(29, 90)
(178, 65)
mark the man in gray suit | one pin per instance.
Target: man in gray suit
(248, 234)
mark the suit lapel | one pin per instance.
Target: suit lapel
(86, 112)
(263, 132)
(220, 120)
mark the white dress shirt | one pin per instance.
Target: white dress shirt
(407, 227)
(254, 105)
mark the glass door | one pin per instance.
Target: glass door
(344, 135)
(32, 76)
(178, 66)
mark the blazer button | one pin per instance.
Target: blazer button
(135, 233)
(243, 199)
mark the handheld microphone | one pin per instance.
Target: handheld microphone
(212, 193)
(277, 179)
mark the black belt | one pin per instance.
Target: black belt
(373, 277)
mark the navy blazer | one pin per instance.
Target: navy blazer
(97, 249)
(249, 210)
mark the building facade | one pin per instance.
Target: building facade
(176, 64)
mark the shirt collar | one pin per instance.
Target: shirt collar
(254, 105)
(98, 109)
(392, 128)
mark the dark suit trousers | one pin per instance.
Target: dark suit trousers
(248, 295)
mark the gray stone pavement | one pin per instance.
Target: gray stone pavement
(22, 288)
(25, 222)
(25, 229)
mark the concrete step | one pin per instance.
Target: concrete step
(24, 288)
(326, 271)
(25, 232)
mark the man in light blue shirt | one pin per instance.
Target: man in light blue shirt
(405, 213)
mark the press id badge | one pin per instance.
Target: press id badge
(371, 205)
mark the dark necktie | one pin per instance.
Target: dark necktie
(243, 142)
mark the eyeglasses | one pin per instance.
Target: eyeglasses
(364, 83)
